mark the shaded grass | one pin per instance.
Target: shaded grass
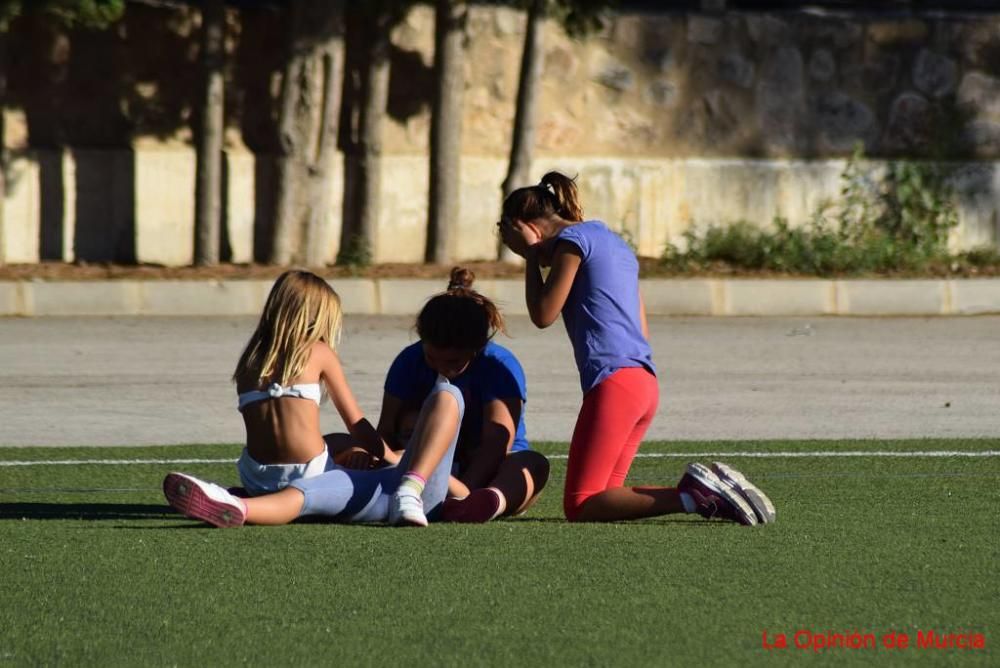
(97, 570)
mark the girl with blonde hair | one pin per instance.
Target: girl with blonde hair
(292, 353)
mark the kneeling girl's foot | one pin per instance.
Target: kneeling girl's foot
(712, 498)
(762, 506)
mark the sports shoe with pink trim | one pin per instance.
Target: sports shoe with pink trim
(714, 498)
(204, 501)
(481, 505)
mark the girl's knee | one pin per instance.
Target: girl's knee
(573, 507)
(537, 465)
(441, 389)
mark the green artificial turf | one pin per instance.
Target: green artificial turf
(96, 570)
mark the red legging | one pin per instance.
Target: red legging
(612, 421)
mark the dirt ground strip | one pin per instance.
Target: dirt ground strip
(649, 267)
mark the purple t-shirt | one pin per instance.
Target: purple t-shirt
(602, 310)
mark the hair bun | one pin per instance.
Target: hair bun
(461, 279)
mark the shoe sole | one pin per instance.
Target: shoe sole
(481, 506)
(761, 504)
(184, 494)
(403, 521)
(708, 478)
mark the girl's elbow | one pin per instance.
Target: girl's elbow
(541, 320)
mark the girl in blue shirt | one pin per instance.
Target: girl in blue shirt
(495, 472)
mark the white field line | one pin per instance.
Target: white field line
(115, 462)
(641, 455)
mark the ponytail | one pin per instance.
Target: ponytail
(460, 317)
(567, 195)
(555, 195)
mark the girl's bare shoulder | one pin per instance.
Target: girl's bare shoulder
(320, 350)
(321, 356)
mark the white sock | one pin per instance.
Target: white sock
(503, 502)
(412, 483)
(689, 505)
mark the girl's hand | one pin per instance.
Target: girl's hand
(518, 237)
(356, 458)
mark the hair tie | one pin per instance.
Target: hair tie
(454, 286)
(547, 186)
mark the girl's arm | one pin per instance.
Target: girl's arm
(547, 297)
(388, 426)
(500, 418)
(343, 400)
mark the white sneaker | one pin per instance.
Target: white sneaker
(204, 501)
(762, 506)
(407, 510)
(714, 498)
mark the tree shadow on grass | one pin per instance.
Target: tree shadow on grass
(85, 511)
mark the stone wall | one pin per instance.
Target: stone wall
(793, 84)
(670, 120)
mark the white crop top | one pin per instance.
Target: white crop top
(276, 390)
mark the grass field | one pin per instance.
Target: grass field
(96, 569)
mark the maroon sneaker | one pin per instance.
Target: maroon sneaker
(762, 506)
(481, 505)
(713, 497)
(203, 501)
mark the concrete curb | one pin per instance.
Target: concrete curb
(391, 296)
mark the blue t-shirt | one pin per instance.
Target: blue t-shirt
(493, 374)
(601, 313)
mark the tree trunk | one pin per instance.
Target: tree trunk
(522, 144)
(363, 175)
(208, 198)
(294, 83)
(3, 140)
(307, 127)
(317, 232)
(446, 129)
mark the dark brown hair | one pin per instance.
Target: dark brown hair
(556, 194)
(460, 317)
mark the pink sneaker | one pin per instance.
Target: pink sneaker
(481, 505)
(204, 501)
(713, 497)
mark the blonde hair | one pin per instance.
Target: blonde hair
(301, 309)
